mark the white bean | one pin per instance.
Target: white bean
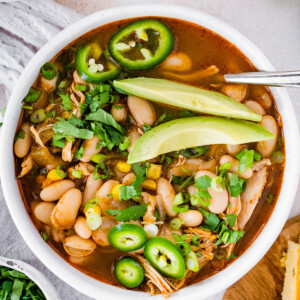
(141, 110)
(255, 107)
(191, 218)
(219, 199)
(22, 146)
(65, 212)
(133, 136)
(43, 211)
(166, 191)
(177, 62)
(90, 147)
(82, 229)
(237, 92)
(119, 112)
(128, 179)
(267, 147)
(192, 190)
(100, 235)
(91, 186)
(55, 190)
(77, 242)
(105, 201)
(233, 149)
(235, 166)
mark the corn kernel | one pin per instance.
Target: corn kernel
(115, 191)
(52, 175)
(123, 167)
(149, 184)
(96, 209)
(154, 171)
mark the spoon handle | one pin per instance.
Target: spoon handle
(290, 78)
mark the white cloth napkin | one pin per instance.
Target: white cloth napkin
(25, 26)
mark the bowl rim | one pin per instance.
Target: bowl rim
(77, 279)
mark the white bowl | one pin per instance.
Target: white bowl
(35, 275)
(50, 258)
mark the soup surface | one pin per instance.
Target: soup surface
(160, 222)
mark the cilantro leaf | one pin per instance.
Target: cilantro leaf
(234, 236)
(236, 185)
(20, 135)
(203, 182)
(67, 103)
(32, 96)
(133, 190)
(66, 129)
(211, 219)
(231, 218)
(131, 213)
(106, 118)
(146, 127)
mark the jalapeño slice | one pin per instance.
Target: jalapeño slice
(127, 237)
(165, 257)
(142, 44)
(91, 72)
(129, 272)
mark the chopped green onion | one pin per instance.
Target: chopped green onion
(191, 261)
(225, 166)
(181, 209)
(176, 223)
(270, 198)
(278, 157)
(76, 173)
(45, 236)
(48, 71)
(90, 204)
(246, 161)
(241, 153)
(220, 253)
(97, 158)
(194, 240)
(178, 199)
(32, 96)
(189, 181)
(94, 221)
(257, 156)
(80, 87)
(184, 247)
(59, 172)
(125, 145)
(38, 116)
(214, 184)
(29, 107)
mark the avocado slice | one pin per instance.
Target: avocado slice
(192, 132)
(186, 96)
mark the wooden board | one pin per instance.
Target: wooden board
(265, 280)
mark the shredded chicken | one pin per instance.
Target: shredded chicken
(165, 287)
(258, 165)
(249, 199)
(235, 207)
(85, 169)
(27, 165)
(192, 165)
(36, 136)
(151, 201)
(67, 151)
(206, 238)
(80, 95)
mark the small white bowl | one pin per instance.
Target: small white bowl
(35, 275)
(50, 258)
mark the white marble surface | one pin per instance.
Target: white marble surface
(273, 25)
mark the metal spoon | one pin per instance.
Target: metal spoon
(290, 78)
